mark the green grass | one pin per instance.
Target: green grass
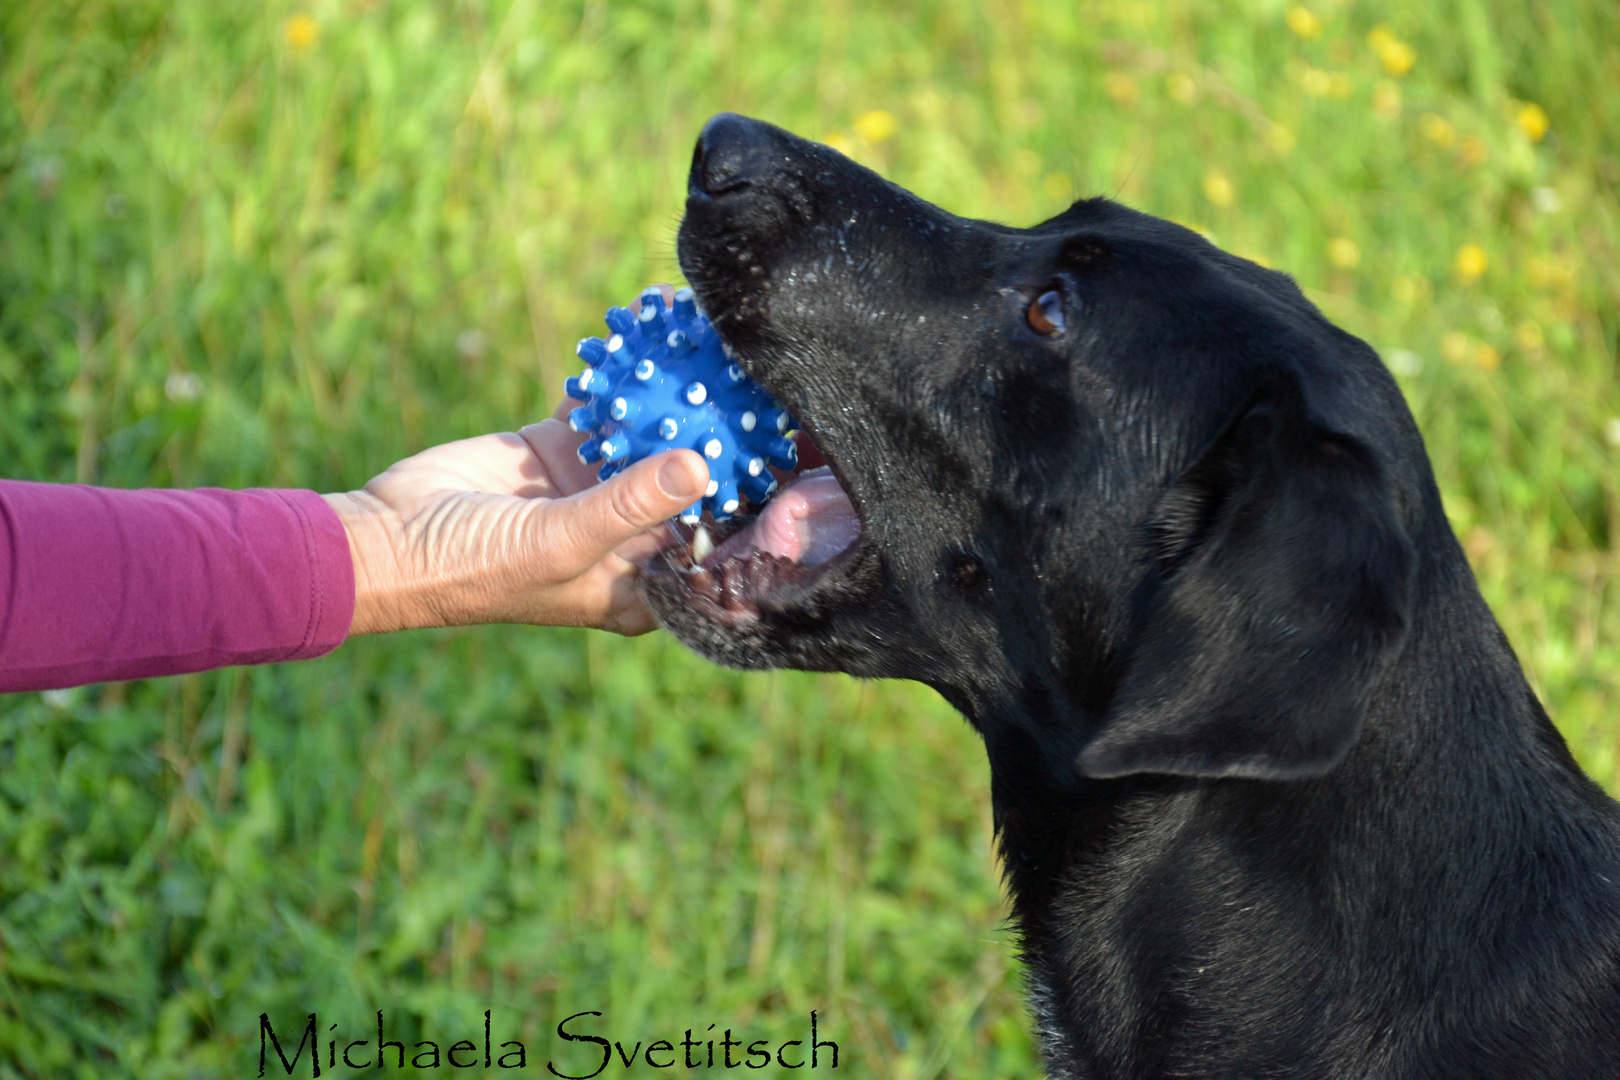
(228, 259)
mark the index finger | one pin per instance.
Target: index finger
(555, 445)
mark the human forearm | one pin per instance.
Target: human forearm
(100, 584)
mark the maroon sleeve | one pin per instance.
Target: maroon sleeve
(98, 584)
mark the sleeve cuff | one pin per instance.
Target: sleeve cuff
(331, 563)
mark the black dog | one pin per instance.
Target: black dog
(1274, 797)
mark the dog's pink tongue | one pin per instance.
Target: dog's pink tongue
(808, 522)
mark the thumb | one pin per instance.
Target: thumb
(603, 516)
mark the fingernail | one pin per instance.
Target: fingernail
(675, 479)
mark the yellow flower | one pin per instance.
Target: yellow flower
(1398, 58)
(1280, 139)
(1319, 83)
(1408, 289)
(1472, 150)
(1303, 23)
(1058, 187)
(1529, 336)
(1533, 121)
(1486, 358)
(1344, 253)
(1121, 87)
(1218, 188)
(1181, 86)
(301, 31)
(1555, 273)
(1396, 55)
(1454, 346)
(875, 125)
(1472, 262)
(840, 142)
(1387, 99)
(1437, 129)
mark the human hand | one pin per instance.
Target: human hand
(510, 528)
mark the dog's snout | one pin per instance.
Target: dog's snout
(731, 151)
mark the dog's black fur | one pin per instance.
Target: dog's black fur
(1274, 797)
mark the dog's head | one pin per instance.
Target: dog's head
(1125, 499)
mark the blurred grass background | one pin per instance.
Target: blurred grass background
(288, 243)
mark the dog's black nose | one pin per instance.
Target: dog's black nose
(730, 152)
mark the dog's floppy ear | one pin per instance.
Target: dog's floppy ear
(1284, 585)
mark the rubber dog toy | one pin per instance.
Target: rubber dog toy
(663, 381)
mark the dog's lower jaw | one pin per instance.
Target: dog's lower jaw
(840, 621)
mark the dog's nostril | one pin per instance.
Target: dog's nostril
(731, 150)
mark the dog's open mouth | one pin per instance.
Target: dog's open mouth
(766, 559)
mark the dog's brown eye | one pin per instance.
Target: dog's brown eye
(1046, 314)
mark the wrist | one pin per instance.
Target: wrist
(374, 530)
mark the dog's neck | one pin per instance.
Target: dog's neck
(1147, 901)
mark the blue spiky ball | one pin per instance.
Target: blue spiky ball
(662, 381)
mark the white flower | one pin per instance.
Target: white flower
(183, 386)
(1403, 362)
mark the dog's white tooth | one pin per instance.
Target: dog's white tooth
(702, 544)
